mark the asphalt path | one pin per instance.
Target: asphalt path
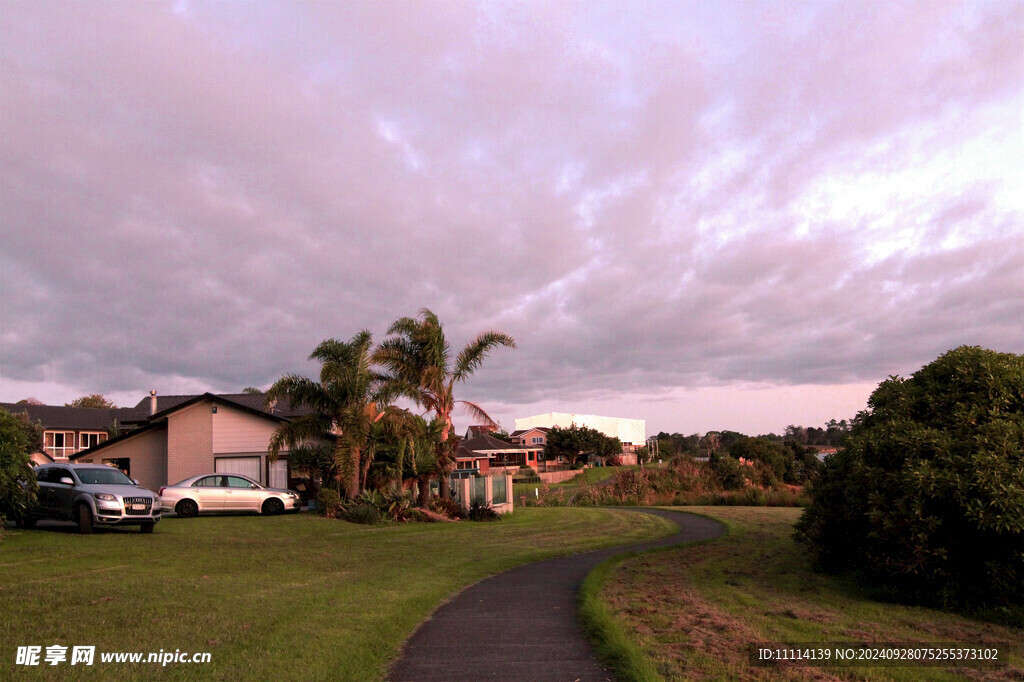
(521, 624)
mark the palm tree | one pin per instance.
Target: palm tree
(344, 405)
(418, 357)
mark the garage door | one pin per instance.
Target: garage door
(247, 466)
(278, 473)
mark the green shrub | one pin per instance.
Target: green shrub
(328, 502)
(927, 498)
(731, 474)
(361, 513)
(481, 511)
(17, 480)
(448, 507)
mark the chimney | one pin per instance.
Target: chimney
(152, 403)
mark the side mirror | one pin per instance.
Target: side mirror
(66, 480)
(135, 481)
(254, 486)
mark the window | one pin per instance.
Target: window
(89, 439)
(537, 440)
(59, 444)
(238, 482)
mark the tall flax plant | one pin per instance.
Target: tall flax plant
(420, 366)
(346, 408)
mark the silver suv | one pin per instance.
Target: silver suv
(92, 494)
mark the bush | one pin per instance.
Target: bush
(17, 480)
(526, 472)
(448, 507)
(361, 513)
(927, 499)
(481, 511)
(328, 502)
(730, 472)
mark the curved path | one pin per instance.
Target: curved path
(521, 624)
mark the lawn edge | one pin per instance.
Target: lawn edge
(616, 648)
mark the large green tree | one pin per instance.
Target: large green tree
(574, 443)
(17, 482)
(927, 499)
(421, 367)
(344, 405)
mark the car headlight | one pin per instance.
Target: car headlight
(106, 497)
(293, 495)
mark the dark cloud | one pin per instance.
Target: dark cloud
(194, 195)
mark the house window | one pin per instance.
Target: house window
(538, 439)
(59, 444)
(89, 439)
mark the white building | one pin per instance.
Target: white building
(632, 432)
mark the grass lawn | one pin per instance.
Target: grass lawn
(587, 476)
(291, 597)
(695, 609)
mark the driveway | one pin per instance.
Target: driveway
(521, 624)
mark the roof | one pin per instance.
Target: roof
(519, 432)
(72, 418)
(489, 444)
(255, 402)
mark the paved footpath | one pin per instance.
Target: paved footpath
(521, 624)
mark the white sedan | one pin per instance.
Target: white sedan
(225, 493)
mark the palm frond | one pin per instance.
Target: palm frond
(470, 358)
(477, 412)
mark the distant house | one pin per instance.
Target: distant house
(480, 430)
(491, 452)
(536, 437)
(183, 436)
(67, 430)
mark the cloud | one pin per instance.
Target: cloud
(788, 194)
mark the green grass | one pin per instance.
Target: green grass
(293, 597)
(588, 476)
(694, 610)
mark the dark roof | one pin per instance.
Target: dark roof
(73, 418)
(480, 429)
(255, 402)
(101, 419)
(486, 442)
(519, 432)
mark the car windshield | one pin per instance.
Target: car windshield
(103, 476)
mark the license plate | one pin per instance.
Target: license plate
(139, 507)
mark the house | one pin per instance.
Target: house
(67, 430)
(492, 452)
(182, 436)
(474, 476)
(535, 437)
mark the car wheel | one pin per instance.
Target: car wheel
(84, 517)
(187, 509)
(147, 527)
(273, 506)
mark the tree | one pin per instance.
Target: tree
(927, 498)
(346, 403)
(574, 442)
(418, 358)
(251, 390)
(17, 481)
(94, 400)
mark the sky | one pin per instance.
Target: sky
(709, 215)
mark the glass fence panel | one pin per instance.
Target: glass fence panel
(500, 490)
(480, 489)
